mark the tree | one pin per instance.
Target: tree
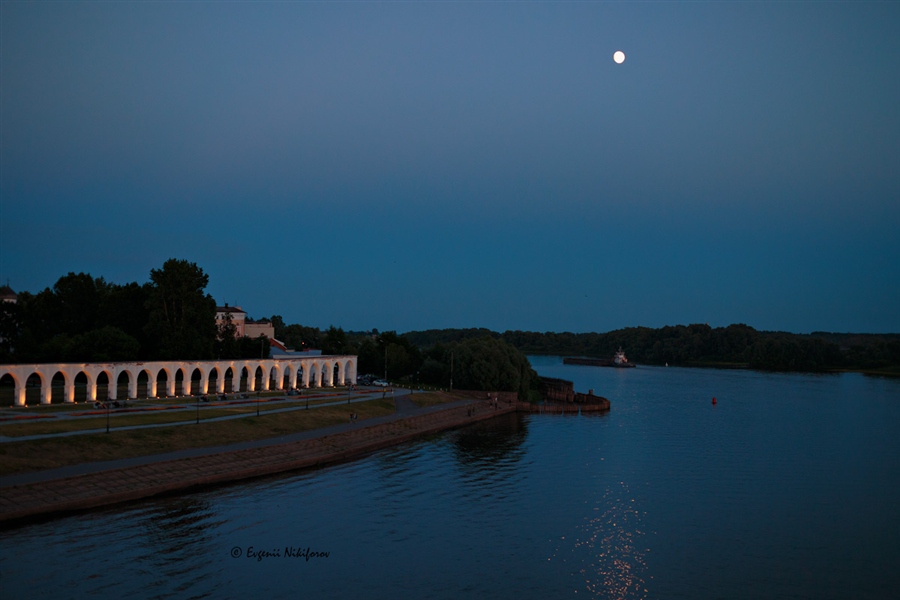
(279, 326)
(182, 318)
(335, 342)
(254, 347)
(103, 345)
(396, 352)
(227, 344)
(10, 327)
(76, 303)
(483, 363)
(125, 307)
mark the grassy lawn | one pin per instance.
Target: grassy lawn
(6, 399)
(43, 409)
(37, 455)
(432, 398)
(149, 417)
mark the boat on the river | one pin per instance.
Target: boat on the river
(619, 360)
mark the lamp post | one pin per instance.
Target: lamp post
(107, 415)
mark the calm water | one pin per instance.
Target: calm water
(788, 488)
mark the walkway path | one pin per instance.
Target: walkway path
(192, 406)
(96, 484)
(299, 404)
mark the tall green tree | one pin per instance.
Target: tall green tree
(76, 303)
(227, 344)
(182, 317)
(396, 352)
(10, 328)
(335, 342)
(125, 307)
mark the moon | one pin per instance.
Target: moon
(619, 57)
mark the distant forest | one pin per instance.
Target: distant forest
(171, 317)
(701, 345)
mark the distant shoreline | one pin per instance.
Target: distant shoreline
(886, 372)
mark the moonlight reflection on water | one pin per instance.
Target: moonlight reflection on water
(664, 496)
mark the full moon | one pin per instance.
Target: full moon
(619, 57)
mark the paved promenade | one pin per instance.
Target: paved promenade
(97, 484)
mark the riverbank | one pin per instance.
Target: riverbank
(48, 493)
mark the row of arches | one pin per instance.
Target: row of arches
(46, 384)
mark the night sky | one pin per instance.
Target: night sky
(407, 165)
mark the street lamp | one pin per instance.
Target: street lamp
(451, 371)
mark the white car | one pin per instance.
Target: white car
(380, 383)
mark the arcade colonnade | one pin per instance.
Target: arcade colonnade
(164, 378)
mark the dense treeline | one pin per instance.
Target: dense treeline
(87, 319)
(171, 317)
(481, 362)
(738, 345)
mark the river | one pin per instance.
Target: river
(786, 488)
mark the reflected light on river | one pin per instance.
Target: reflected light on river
(606, 547)
(786, 490)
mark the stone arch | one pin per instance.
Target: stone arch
(259, 378)
(228, 380)
(350, 371)
(143, 385)
(195, 384)
(337, 373)
(288, 377)
(272, 378)
(325, 373)
(165, 383)
(58, 386)
(244, 383)
(33, 388)
(313, 375)
(104, 385)
(81, 387)
(9, 389)
(124, 388)
(182, 382)
(213, 379)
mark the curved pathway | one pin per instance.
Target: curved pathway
(192, 406)
(96, 484)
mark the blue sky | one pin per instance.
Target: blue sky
(407, 165)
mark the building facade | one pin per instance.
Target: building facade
(71, 382)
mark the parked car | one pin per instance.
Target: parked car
(380, 383)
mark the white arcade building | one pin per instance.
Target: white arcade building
(72, 382)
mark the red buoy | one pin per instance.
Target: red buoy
(714, 399)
